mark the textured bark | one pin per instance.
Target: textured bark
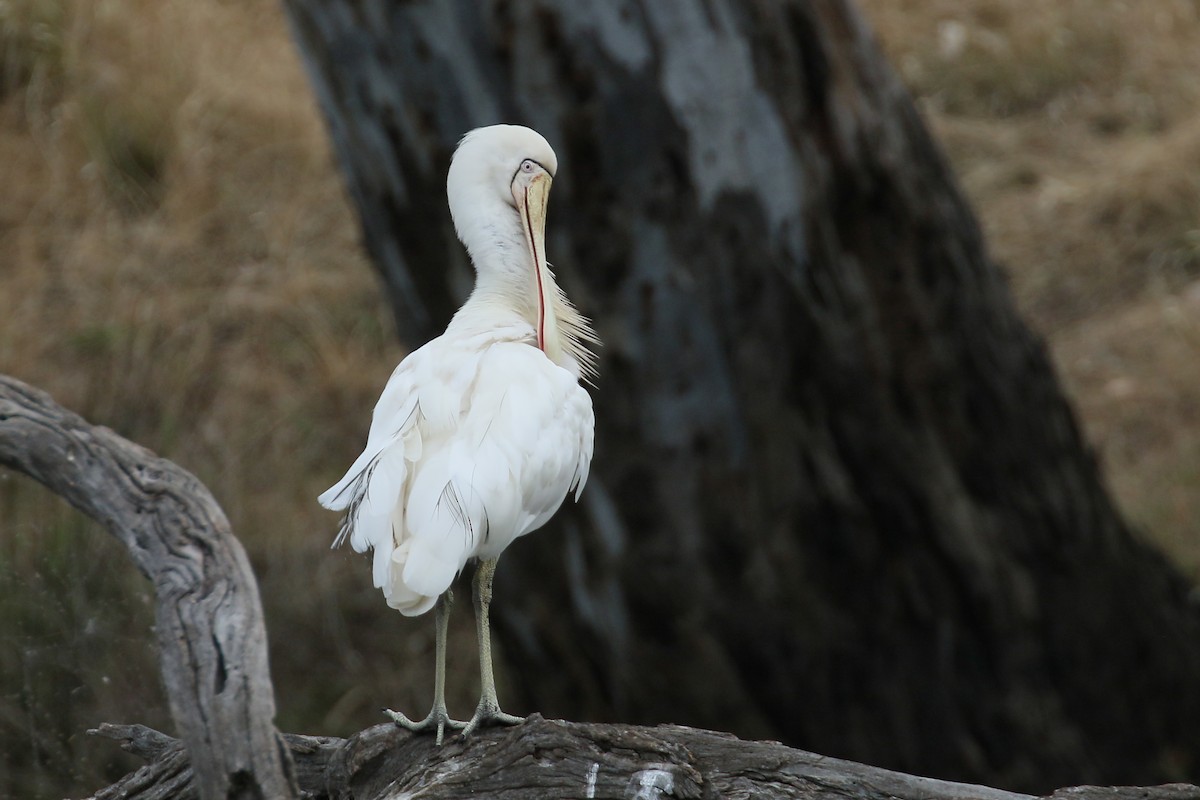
(553, 759)
(839, 498)
(211, 636)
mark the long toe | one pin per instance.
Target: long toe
(490, 714)
(437, 720)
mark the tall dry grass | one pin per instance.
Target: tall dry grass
(178, 262)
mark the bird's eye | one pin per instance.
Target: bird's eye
(527, 165)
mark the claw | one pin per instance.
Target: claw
(437, 719)
(489, 713)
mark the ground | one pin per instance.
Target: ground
(181, 264)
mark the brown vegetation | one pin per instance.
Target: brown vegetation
(178, 262)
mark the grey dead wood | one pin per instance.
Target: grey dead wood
(554, 759)
(835, 474)
(208, 618)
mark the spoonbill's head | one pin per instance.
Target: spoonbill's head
(498, 185)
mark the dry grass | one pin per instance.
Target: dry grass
(1134, 373)
(178, 261)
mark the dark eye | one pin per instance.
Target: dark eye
(527, 165)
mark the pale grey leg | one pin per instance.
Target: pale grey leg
(488, 712)
(438, 717)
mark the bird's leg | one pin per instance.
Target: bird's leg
(488, 712)
(438, 717)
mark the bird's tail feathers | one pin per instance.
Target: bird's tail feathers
(413, 597)
(429, 566)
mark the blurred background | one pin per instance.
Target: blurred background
(179, 262)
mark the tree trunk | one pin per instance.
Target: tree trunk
(211, 636)
(552, 759)
(838, 497)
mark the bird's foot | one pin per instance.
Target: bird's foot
(489, 713)
(437, 720)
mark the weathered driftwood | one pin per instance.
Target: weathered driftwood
(555, 759)
(212, 640)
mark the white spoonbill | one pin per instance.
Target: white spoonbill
(481, 433)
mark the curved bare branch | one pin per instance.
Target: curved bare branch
(211, 635)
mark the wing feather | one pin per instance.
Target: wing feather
(472, 444)
(537, 442)
(368, 490)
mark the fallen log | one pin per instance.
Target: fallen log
(555, 759)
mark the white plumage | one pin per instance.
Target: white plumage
(481, 433)
(476, 440)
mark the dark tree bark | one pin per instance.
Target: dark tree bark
(838, 496)
(552, 759)
(209, 621)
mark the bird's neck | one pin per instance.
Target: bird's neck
(510, 287)
(506, 279)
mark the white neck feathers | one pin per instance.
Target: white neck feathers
(507, 283)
